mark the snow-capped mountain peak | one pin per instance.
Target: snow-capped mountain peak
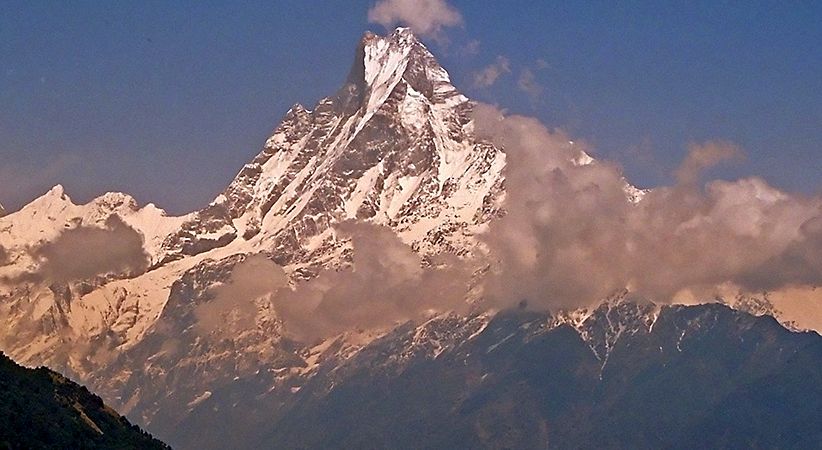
(400, 56)
(395, 147)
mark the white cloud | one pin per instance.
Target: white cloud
(428, 18)
(570, 238)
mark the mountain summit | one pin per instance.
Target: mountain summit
(394, 146)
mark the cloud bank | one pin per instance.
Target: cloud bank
(570, 238)
(84, 252)
(428, 18)
(384, 285)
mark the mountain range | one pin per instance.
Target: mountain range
(194, 326)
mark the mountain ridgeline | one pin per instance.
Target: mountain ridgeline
(181, 322)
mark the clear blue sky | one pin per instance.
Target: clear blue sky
(167, 100)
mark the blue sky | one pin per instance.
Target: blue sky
(167, 100)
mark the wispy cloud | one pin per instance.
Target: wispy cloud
(234, 305)
(385, 285)
(471, 48)
(705, 156)
(487, 76)
(528, 83)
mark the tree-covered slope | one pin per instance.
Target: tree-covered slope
(40, 408)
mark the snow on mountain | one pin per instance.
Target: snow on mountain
(45, 218)
(39, 312)
(615, 318)
(394, 146)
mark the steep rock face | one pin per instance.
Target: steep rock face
(393, 146)
(700, 376)
(624, 374)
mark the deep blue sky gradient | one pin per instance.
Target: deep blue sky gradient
(167, 100)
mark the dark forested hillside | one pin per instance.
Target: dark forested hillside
(41, 409)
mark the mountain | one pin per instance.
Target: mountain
(41, 409)
(171, 319)
(626, 375)
(393, 147)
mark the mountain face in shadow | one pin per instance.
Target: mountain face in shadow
(699, 377)
(41, 409)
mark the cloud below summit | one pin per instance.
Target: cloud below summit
(384, 285)
(428, 18)
(85, 252)
(570, 238)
